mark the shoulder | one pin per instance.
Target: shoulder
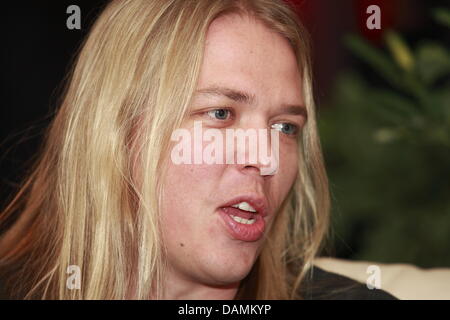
(323, 285)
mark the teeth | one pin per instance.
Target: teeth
(245, 206)
(242, 220)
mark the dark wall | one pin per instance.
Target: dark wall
(37, 50)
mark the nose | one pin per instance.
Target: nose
(255, 151)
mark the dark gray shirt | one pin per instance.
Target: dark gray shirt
(326, 285)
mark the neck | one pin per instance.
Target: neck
(181, 288)
(201, 292)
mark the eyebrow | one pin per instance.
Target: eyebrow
(247, 98)
(232, 94)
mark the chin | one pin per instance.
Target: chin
(228, 277)
(230, 270)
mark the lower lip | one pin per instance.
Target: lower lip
(243, 232)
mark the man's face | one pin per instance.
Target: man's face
(205, 244)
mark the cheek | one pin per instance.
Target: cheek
(189, 183)
(286, 175)
(288, 165)
(183, 203)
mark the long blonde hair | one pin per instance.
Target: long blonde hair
(83, 204)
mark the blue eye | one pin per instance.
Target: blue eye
(219, 114)
(286, 128)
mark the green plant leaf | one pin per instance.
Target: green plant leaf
(375, 58)
(395, 104)
(399, 50)
(442, 16)
(433, 62)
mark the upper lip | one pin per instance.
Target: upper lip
(256, 201)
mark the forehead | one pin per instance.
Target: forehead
(243, 53)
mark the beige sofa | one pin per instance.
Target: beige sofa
(401, 280)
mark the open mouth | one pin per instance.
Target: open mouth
(242, 212)
(244, 218)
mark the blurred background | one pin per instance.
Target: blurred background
(383, 99)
